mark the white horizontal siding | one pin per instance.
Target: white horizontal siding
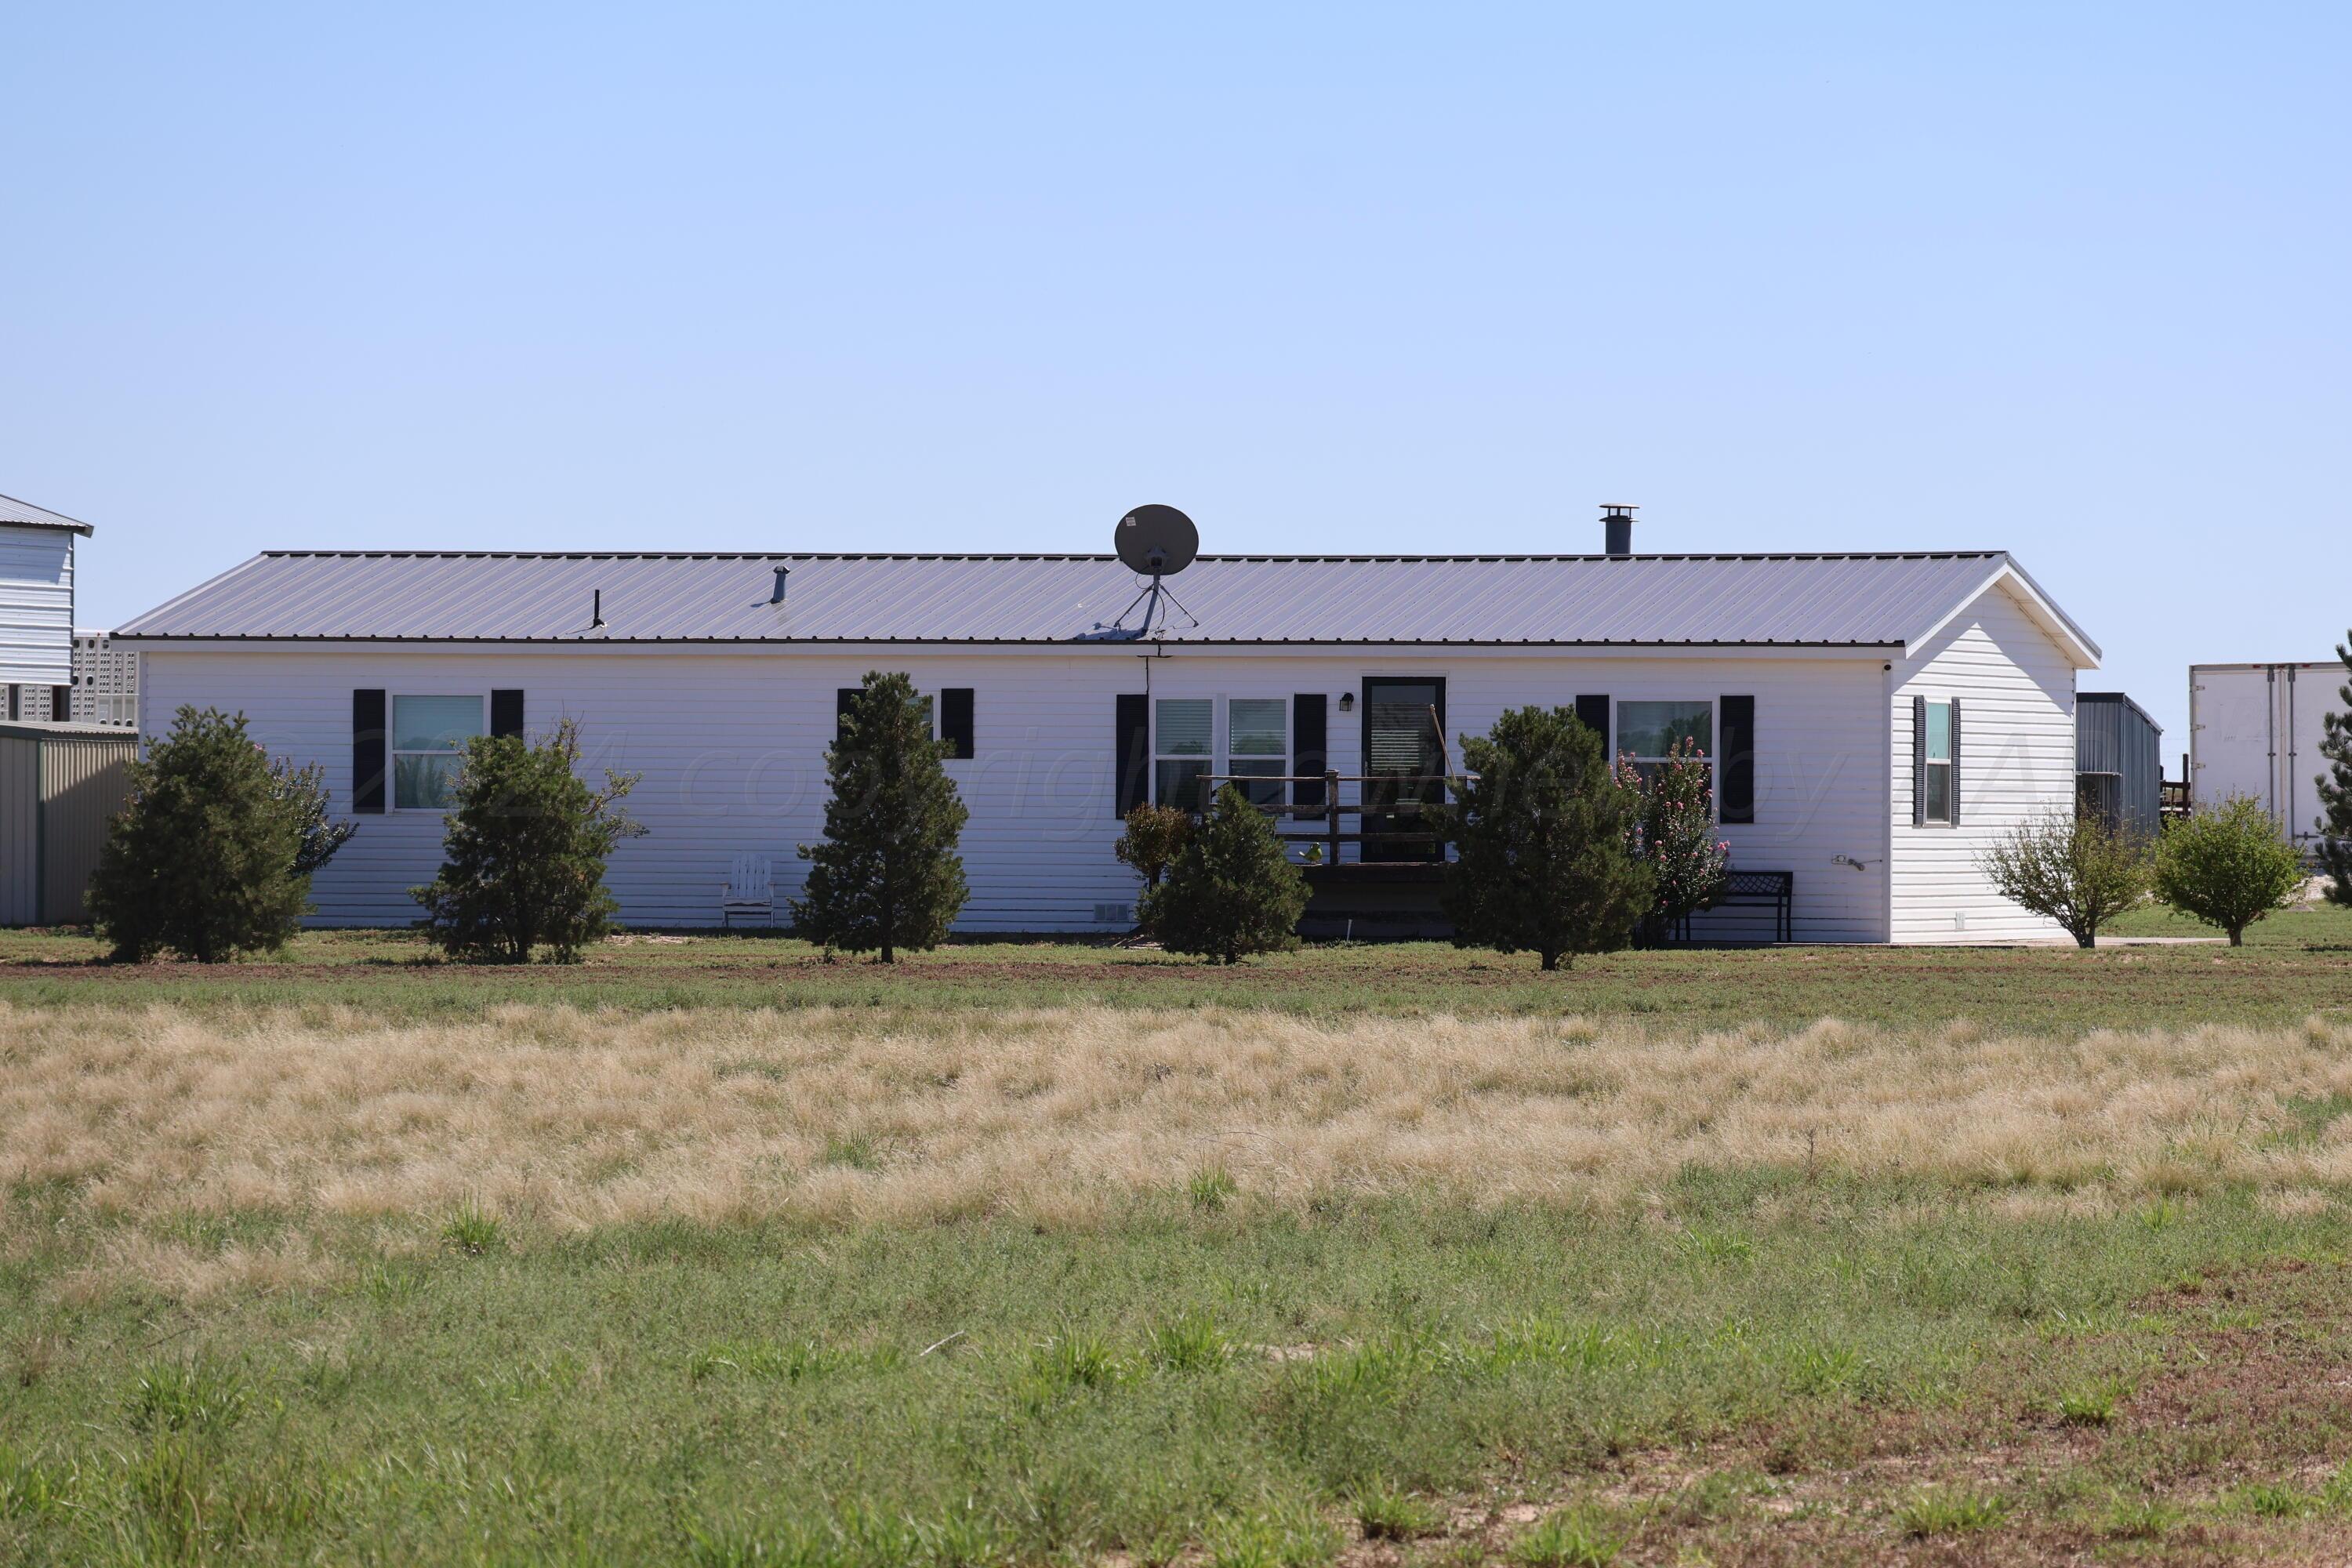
(2016, 690)
(730, 743)
(36, 606)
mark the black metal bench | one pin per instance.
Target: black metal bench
(1756, 889)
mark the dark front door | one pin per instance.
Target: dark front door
(1404, 765)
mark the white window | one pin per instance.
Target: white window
(1939, 763)
(1649, 732)
(1183, 749)
(428, 741)
(1257, 744)
(1250, 736)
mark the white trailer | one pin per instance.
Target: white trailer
(2254, 730)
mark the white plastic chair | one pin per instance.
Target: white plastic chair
(749, 891)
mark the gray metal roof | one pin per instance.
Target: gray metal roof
(1879, 601)
(25, 514)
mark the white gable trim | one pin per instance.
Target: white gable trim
(2079, 649)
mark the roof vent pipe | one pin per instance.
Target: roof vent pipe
(596, 610)
(778, 597)
(1617, 529)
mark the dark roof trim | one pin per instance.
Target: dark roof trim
(38, 730)
(1081, 556)
(1081, 642)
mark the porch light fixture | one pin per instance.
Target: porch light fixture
(1347, 702)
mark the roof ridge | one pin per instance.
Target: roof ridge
(1104, 556)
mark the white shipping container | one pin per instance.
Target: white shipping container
(2255, 729)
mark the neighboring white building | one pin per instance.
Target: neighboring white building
(36, 600)
(105, 680)
(1880, 717)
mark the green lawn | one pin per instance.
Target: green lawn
(1767, 1361)
(2293, 965)
(1786, 1389)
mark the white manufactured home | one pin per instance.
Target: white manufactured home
(1877, 718)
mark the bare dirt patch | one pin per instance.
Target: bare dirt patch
(2224, 1446)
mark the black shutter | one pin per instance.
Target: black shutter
(955, 719)
(1918, 761)
(842, 698)
(1592, 712)
(367, 751)
(1738, 753)
(1130, 753)
(506, 712)
(1310, 721)
(1954, 799)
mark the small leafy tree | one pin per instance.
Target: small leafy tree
(1155, 835)
(2228, 867)
(2071, 868)
(523, 852)
(205, 860)
(2336, 789)
(1543, 831)
(1674, 835)
(886, 877)
(1232, 891)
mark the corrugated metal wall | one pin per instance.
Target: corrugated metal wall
(20, 830)
(84, 781)
(58, 789)
(2112, 736)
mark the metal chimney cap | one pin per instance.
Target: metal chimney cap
(778, 597)
(1617, 529)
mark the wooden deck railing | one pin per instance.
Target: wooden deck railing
(1331, 812)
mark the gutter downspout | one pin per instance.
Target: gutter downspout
(1886, 797)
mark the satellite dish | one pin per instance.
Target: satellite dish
(1157, 540)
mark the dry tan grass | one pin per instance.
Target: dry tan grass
(567, 1119)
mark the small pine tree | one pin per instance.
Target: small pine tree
(523, 852)
(1155, 835)
(2336, 789)
(2228, 867)
(1232, 890)
(1542, 830)
(1675, 835)
(203, 861)
(887, 876)
(2070, 867)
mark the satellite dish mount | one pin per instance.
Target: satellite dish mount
(1157, 542)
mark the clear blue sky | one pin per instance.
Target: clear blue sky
(2069, 280)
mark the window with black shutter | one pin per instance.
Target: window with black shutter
(1310, 744)
(956, 721)
(1130, 752)
(1736, 801)
(1592, 712)
(367, 751)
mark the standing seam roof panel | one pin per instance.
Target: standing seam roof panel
(1876, 600)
